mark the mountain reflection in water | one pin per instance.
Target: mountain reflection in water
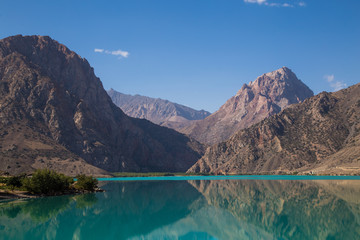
(202, 209)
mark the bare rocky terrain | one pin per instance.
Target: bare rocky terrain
(267, 95)
(320, 135)
(55, 113)
(156, 110)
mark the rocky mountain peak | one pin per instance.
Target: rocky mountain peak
(265, 96)
(282, 87)
(51, 92)
(41, 49)
(281, 74)
(319, 135)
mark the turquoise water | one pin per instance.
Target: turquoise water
(231, 177)
(236, 207)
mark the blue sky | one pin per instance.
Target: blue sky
(199, 52)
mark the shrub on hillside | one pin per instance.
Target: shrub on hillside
(15, 181)
(84, 182)
(3, 179)
(45, 181)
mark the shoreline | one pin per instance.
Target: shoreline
(19, 194)
(231, 177)
(16, 194)
(168, 174)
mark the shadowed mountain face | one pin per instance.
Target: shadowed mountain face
(54, 110)
(266, 96)
(322, 134)
(156, 110)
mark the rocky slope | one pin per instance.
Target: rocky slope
(53, 108)
(266, 96)
(156, 110)
(321, 135)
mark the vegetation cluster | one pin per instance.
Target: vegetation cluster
(49, 182)
(87, 183)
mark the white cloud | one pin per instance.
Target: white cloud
(255, 1)
(119, 53)
(335, 85)
(330, 78)
(277, 3)
(338, 85)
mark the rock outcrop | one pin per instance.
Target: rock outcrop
(53, 108)
(266, 96)
(156, 110)
(320, 135)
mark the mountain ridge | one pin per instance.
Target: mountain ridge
(265, 96)
(53, 93)
(156, 110)
(320, 135)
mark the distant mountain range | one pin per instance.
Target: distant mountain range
(320, 135)
(156, 110)
(267, 95)
(55, 113)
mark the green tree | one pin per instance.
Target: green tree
(15, 181)
(45, 181)
(84, 182)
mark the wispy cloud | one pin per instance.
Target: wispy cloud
(277, 3)
(119, 53)
(98, 50)
(255, 1)
(330, 78)
(335, 85)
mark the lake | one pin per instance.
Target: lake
(236, 207)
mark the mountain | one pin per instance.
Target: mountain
(320, 135)
(266, 96)
(54, 111)
(156, 110)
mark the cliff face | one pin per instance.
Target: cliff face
(50, 92)
(266, 96)
(156, 110)
(322, 135)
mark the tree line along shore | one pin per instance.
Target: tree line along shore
(45, 182)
